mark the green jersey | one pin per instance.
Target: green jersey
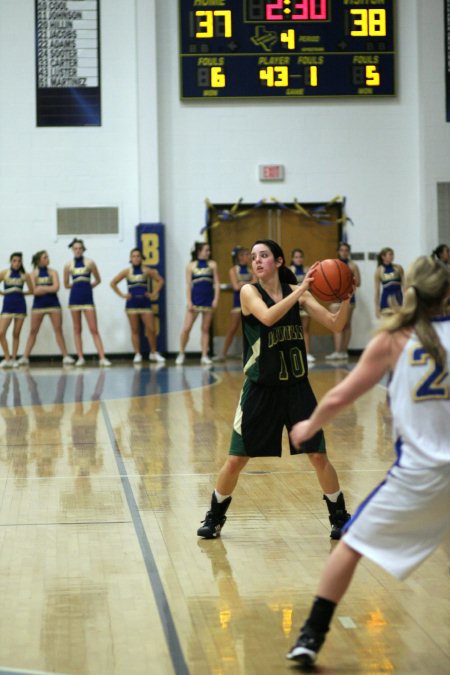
(274, 355)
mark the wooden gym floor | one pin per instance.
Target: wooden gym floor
(104, 479)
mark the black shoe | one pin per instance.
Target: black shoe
(215, 519)
(338, 515)
(305, 650)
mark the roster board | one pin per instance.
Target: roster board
(68, 62)
(286, 48)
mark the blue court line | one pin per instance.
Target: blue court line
(165, 615)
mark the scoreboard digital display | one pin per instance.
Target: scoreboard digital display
(286, 48)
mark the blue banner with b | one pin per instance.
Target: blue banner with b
(150, 239)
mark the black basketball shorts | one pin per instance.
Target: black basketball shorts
(262, 414)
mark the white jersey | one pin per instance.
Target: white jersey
(419, 394)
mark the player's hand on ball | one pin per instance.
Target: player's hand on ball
(313, 267)
(306, 281)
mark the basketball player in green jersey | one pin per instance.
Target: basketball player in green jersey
(276, 392)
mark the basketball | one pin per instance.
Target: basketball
(332, 281)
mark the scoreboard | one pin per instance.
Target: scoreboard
(286, 48)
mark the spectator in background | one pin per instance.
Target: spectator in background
(297, 256)
(240, 274)
(202, 296)
(389, 278)
(342, 339)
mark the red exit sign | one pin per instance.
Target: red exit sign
(271, 172)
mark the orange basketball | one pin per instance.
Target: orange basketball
(332, 281)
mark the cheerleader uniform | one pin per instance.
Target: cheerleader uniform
(391, 291)
(48, 302)
(202, 292)
(243, 275)
(300, 273)
(14, 304)
(81, 296)
(137, 288)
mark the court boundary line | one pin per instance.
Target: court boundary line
(162, 604)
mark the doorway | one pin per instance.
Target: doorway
(316, 228)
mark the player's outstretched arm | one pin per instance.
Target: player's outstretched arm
(252, 303)
(373, 364)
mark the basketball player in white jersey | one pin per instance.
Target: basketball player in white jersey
(406, 517)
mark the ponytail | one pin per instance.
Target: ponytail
(287, 276)
(426, 294)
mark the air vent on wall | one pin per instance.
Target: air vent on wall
(81, 220)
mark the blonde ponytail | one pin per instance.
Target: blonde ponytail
(425, 296)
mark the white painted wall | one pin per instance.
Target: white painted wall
(364, 149)
(434, 131)
(42, 168)
(158, 158)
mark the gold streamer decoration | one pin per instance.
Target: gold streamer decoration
(320, 214)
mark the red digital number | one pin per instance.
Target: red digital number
(303, 10)
(271, 8)
(309, 10)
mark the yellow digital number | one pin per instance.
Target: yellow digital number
(312, 79)
(275, 76)
(150, 248)
(207, 20)
(288, 38)
(368, 22)
(218, 78)
(377, 22)
(372, 76)
(226, 13)
(207, 24)
(361, 24)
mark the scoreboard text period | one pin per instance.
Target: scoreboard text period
(286, 48)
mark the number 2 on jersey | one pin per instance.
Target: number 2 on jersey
(432, 385)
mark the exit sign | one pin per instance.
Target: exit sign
(271, 172)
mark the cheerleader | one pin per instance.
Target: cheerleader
(388, 277)
(14, 306)
(202, 288)
(45, 282)
(240, 274)
(300, 270)
(77, 278)
(342, 338)
(138, 302)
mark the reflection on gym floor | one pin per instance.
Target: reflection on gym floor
(104, 478)
(22, 387)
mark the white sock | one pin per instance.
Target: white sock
(333, 497)
(220, 498)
